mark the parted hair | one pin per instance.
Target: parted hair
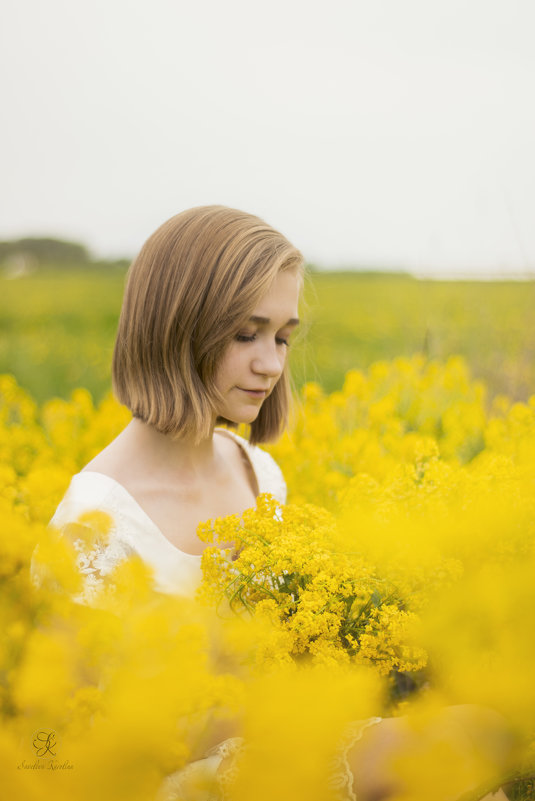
(195, 281)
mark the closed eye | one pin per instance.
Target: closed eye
(252, 337)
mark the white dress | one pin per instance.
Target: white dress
(134, 533)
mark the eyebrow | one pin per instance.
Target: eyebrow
(266, 320)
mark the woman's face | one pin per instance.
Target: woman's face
(253, 363)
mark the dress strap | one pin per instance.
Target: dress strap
(243, 447)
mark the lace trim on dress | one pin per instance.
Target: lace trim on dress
(179, 786)
(200, 780)
(341, 775)
(231, 747)
(97, 563)
(97, 555)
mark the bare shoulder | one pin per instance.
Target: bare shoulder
(107, 461)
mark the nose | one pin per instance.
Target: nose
(268, 361)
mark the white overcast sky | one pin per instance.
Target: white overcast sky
(395, 133)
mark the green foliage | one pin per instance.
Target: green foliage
(57, 327)
(355, 319)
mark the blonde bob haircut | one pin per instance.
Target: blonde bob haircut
(188, 292)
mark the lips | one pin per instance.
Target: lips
(255, 393)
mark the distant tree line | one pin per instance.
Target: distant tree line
(30, 253)
(20, 256)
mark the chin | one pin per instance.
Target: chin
(248, 419)
(243, 417)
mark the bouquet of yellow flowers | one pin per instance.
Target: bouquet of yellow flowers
(291, 566)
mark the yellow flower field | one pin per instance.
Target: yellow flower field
(398, 581)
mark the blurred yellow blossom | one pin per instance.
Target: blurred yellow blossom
(398, 580)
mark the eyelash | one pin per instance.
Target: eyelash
(243, 338)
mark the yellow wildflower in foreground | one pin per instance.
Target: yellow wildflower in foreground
(105, 702)
(293, 568)
(409, 536)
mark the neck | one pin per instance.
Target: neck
(182, 458)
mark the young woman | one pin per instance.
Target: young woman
(210, 305)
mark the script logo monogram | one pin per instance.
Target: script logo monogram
(44, 742)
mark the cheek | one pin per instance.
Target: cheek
(229, 365)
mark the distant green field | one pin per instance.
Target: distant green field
(57, 328)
